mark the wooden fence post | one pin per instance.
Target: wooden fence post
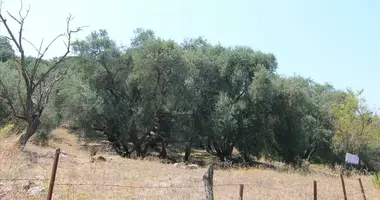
(315, 190)
(53, 173)
(208, 179)
(344, 187)
(361, 187)
(241, 192)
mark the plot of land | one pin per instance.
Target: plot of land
(118, 178)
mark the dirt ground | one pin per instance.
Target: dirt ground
(119, 178)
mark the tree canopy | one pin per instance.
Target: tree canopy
(157, 93)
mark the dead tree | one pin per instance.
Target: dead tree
(37, 83)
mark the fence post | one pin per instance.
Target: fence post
(208, 179)
(361, 187)
(315, 190)
(53, 173)
(241, 193)
(344, 187)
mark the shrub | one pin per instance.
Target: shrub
(42, 138)
(6, 129)
(376, 180)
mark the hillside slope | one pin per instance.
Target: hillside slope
(118, 178)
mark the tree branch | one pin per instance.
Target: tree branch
(68, 32)
(19, 91)
(24, 70)
(52, 84)
(14, 18)
(4, 21)
(35, 48)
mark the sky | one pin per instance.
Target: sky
(336, 42)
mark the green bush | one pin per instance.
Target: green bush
(42, 138)
(6, 129)
(376, 180)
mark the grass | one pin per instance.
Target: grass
(119, 178)
(4, 130)
(376, 180)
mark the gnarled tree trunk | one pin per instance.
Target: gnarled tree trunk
(30, 131)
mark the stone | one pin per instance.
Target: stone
(98, 158)
(176, 164)
(191, 166)
(33, 191)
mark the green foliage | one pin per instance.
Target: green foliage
(6, 50)
(376, 180)
(353, 125)
(42, 138)
(221, 98)
(199, 95)
(5, 129)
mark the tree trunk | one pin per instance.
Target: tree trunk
(138, 149)
(121, 150)
(163, 153)
(186, 158)
(30, 131)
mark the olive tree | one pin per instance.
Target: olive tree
(36, 77)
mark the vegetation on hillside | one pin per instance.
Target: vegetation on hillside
(156, 92)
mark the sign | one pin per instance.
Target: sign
(352, 159)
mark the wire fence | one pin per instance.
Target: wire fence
(12, 181)
(77, 187)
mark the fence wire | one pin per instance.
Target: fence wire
(171, 186)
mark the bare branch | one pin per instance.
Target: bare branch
(14, 18)
(45, 97)
(19, 91)
(42, 42)
(38, 61)
(52, 84)
(27, 11)
(21, 7)
(35, 48)
(17, 61)
(41, 55)
(68, 32)
(51, 43)
(18, 43)
(39, 105)
(65, 44)
(4, 21)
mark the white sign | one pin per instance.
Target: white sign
(352, 159)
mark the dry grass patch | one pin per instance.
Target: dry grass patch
(118, 178)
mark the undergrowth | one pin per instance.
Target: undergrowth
(6, 129)
(376, 180)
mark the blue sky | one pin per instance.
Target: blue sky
(329, 41)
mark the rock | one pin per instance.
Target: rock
(192, 166)
(176, 164)
(98, 158)
(63, 153)
(35, 190)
